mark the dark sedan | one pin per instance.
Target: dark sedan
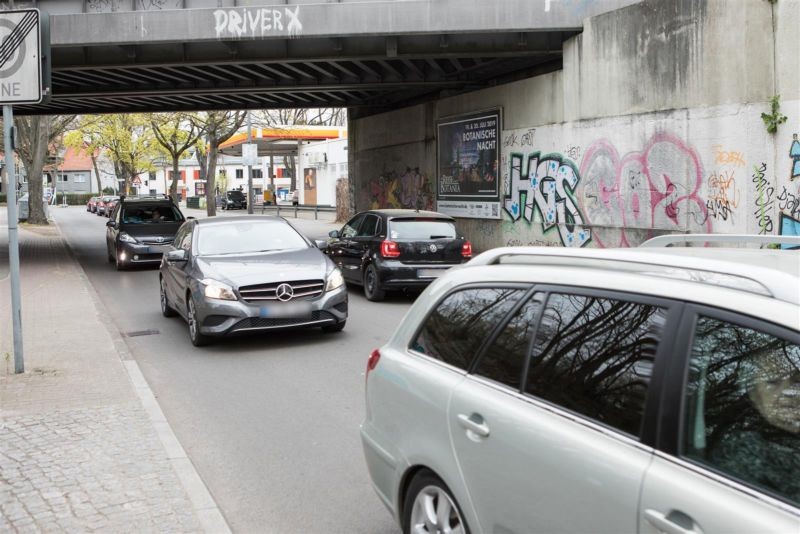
(141, 230)
(234, 200)
(397, 249)
(249, 274)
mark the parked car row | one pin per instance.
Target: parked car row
(102, 205)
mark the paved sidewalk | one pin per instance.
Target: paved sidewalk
(83, 444)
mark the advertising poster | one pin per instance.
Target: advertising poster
(309, 186)
(468, 165)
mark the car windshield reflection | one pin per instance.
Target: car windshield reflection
(247, 238)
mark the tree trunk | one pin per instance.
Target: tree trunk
(97, 176)
(173, 187)
(292, 168)
(36, 214)
(211, 178)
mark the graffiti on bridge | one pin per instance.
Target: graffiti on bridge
(794, 154)
(412, 189)
(764, 199)
(656, 188)
(546, 184)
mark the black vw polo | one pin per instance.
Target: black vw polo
(396, 249)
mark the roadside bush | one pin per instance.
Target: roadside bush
(74, 199)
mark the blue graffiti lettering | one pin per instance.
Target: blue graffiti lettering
(546, 183)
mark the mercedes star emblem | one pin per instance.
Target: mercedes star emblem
(432, 247)
(284, 292)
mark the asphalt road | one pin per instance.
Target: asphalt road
(270, 421)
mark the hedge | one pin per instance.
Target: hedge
(74, 199)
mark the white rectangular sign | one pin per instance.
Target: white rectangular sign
(20, 57)
(250, 154)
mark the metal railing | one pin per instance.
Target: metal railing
(278, 208)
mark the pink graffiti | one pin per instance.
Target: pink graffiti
(628, 199)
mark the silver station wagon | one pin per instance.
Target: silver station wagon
(544, 390)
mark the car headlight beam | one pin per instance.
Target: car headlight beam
(215, 289)
(335, 280)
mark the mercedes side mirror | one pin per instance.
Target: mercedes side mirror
(111, 224)
(321, 244)
(334, 234)
(177, 255)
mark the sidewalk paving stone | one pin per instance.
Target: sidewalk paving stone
(78, 452)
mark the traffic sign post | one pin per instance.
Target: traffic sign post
(20, 83)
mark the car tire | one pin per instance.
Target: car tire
(333, 328)
(166, 309)
(197, 339)
(424, 488)
(372, 289)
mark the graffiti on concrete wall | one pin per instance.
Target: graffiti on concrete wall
(656, 188)
(764, 200)
(794, 154)
(789, 203)
(409, 189)
(245, 22)
(722, 195)
(545, 184)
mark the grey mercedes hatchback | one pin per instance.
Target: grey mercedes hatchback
(249, 274)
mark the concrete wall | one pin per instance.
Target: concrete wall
(653, 125)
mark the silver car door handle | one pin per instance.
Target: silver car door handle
(662, 524)
(470, 424)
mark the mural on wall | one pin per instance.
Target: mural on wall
(794, 154)
(652, 189)
(546, 184)
(412, 189)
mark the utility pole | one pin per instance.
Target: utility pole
(13, 238)
(249, 167)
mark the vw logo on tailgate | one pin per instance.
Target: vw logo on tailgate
(284, 292)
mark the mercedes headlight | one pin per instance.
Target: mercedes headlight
(125, 238)
(335, 280)
(215, 289)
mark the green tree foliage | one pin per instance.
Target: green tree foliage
(216, 127)
(176, 133)
(128, 140)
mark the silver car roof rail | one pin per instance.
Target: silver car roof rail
(671, 239)
(762, 280)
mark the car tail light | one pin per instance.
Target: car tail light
(372, 361)
(466, 249)
(389, 249)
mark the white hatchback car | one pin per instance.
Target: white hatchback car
(555, 390)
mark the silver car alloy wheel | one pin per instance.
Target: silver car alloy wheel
(434, 512)
(163, 296)
(192, 320)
